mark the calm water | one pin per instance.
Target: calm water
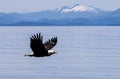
(83, 53)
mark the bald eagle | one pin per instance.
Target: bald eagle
(41, 49)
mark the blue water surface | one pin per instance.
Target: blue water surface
(83, 53)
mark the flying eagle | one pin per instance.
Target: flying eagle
(41, 49)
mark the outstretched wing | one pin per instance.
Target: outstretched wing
(50, 43)
(36, 44)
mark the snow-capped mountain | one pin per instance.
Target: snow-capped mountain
(75, 15)
(78, 8)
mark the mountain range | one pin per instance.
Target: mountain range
(77, 15)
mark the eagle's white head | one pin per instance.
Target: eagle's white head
(52, 52)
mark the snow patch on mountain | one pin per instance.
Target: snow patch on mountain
(78, 8)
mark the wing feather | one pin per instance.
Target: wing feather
(50, 43)
(37, 45)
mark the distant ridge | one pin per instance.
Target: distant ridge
(77, 15)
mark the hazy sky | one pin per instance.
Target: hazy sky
(38, 5)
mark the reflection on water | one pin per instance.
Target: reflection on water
(83, 53)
